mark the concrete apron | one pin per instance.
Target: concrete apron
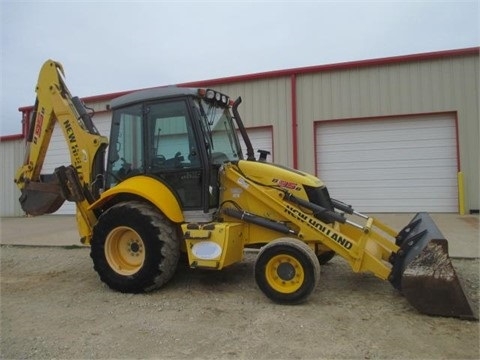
(462, 232)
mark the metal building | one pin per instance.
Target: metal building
(397, 134)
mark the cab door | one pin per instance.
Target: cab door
(172, 151)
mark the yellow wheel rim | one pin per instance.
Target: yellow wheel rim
(284, 273)
(124, 250)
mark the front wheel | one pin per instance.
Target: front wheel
(287, 271)
(325, 257)
(134, 248)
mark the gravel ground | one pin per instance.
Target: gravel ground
(54, 306)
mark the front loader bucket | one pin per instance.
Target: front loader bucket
(40, 198)
(423, 271)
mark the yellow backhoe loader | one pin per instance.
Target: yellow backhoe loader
(175, 181)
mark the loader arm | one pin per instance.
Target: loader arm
(415, 260)
(82, 179)
(365, 249)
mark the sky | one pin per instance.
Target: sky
(112, 46)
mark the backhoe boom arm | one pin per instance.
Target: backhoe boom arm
(79, 182)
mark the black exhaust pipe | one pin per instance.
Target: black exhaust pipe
(243, 131)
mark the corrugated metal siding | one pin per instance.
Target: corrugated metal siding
(266, 103)
(440, 85)
(11, 154)
(428, 86)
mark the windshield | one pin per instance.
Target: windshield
(220, 133)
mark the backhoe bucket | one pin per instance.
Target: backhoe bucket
(423, 271)
(40, 198)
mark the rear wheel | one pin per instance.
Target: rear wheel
(134, 248)
(287, 271)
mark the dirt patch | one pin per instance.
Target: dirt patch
(53, 305)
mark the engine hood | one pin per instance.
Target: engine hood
(272, 174)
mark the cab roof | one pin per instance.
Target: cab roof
(151, 94)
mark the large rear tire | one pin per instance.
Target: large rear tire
(134, 248)
(287, 271)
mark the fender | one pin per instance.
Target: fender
(150, 189)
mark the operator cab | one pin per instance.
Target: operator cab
(180, 136)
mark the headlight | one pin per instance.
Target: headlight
(210, 95)
(215, 97)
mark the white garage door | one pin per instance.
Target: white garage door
(402, 164)
(261, 139)
(58, 154)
